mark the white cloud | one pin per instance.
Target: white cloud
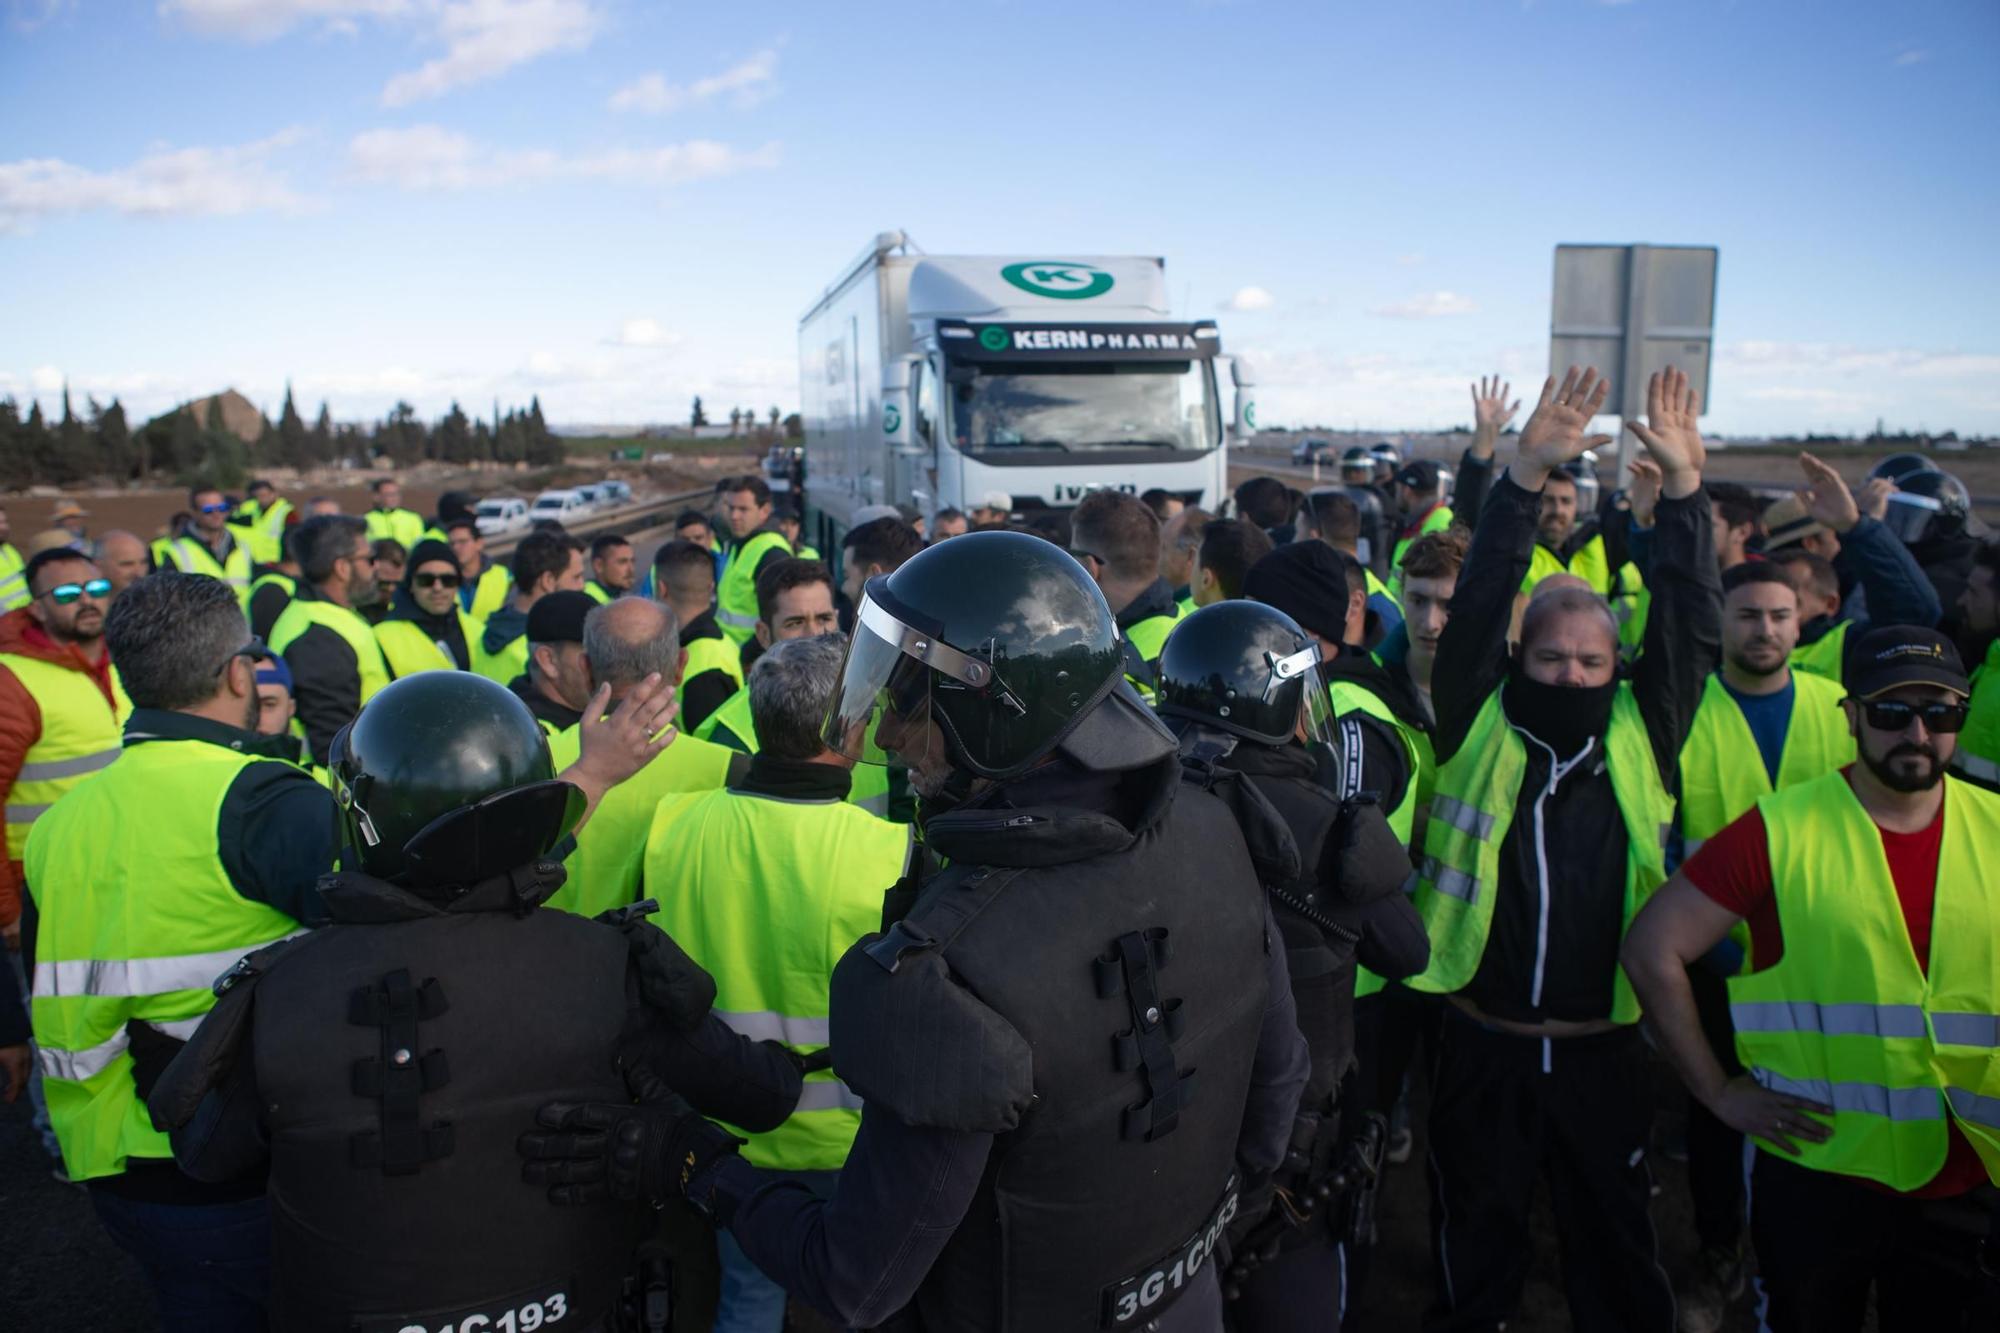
(644, 331)
(747, 82)
(1250, 298)
(1428, 305)
(1911, 57)
(429, 157)
(488, 37)
(46, 379)
(481, 38)
(261, 20)
(166, 182)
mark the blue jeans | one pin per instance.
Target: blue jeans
(210, 1264)
(751, 1302)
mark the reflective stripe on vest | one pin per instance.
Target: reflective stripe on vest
(13, 579)
(81, 734)
(1722, 772)
(1473, 809)
(608, 864)
(1846, 1015)
(138, 918)
(769, 894)
(736, 597)
(301, 614)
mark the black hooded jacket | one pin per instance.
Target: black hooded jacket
(443, 629)
(1373, 758)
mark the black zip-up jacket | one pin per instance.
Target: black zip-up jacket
(326, 680)
(1572, 878)
(1372, 757)
(1475, 481)
(560, 716)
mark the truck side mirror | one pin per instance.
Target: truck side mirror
(899, 379)
(1244, 424)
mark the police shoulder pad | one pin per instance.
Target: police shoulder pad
(914, 1041)
(211, 1053)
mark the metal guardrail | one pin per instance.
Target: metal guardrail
(630, 519)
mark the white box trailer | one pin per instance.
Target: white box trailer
(934, 380)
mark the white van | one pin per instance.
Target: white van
(563, 506)
(501, 518)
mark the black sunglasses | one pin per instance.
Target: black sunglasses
(1895, 715)
(65, 593)
(255, 650)
(435, 580)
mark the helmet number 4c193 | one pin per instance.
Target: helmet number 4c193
(1058, 279)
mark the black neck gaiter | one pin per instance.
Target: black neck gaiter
(1562, 717)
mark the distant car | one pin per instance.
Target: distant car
(592, 499)
(1306, 452)
(614, 493)
(559, 506)
(501, 518)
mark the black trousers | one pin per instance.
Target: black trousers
(1715, 1151)
(1507, 1110)
(1823, 1240)
(1390, 1027)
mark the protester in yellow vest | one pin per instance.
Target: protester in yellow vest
(684, 579)
(623, 644)
(207, 545)
(1545, 835)
(388, 519)
(13, 582)
(425, 629)
(265, 515)
(544, 562)
(768, 883)
(335, 662)
(485, 583)
(746, 507)
(152, 879)
(1419, 484)
(1978, 755)
(1869, 1016)
(61, 704)
(612, 572)
(1116, 538)
(1180, 539)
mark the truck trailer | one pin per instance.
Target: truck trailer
(938, 380)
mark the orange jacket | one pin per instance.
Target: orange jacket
(21, 720)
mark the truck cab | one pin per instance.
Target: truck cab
(936, 380)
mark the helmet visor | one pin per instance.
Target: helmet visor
(1316, 722)
(881, 713)
(1910, 516)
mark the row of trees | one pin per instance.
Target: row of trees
(100, 445)
(742, 419)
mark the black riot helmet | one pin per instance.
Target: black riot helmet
(1357, 460)
(1926, 506)
(444, 779)
(1003, 642)
(1247, 669)
(1898, 466)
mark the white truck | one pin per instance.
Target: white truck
(936, 381)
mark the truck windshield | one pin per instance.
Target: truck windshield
(1087, 407)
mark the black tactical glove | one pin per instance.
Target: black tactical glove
(607, 1150)
(1363, 859)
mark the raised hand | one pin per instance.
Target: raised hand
(617, 745)
(1554, 434)
(1874, 497)
(1490, 413)
(1670, 433)
(1643, 491)
(1826, 496)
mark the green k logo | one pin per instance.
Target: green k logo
(1058, 279)
(993, 338)
(892, 418)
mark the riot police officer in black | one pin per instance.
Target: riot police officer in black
(1240, 685)
(1076, 1045)
(383, 1066)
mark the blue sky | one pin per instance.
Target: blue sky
(618, 204)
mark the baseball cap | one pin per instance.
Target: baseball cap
(68, 509)
(1786, 521)
(999, 500)
(273, 671)
(1891, 656)
(558, 617)
(869, 513)
(1421, 475)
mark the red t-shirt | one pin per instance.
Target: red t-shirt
(1733, 869)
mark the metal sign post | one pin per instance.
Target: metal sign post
(1631, 311)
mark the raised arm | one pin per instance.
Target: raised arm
(1899, 592)
(1472, 653)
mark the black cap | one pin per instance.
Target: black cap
(558, 617)
(1308, 582)
(1891, 656)
(1421, 475)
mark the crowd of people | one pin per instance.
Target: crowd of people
(1025, 919)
